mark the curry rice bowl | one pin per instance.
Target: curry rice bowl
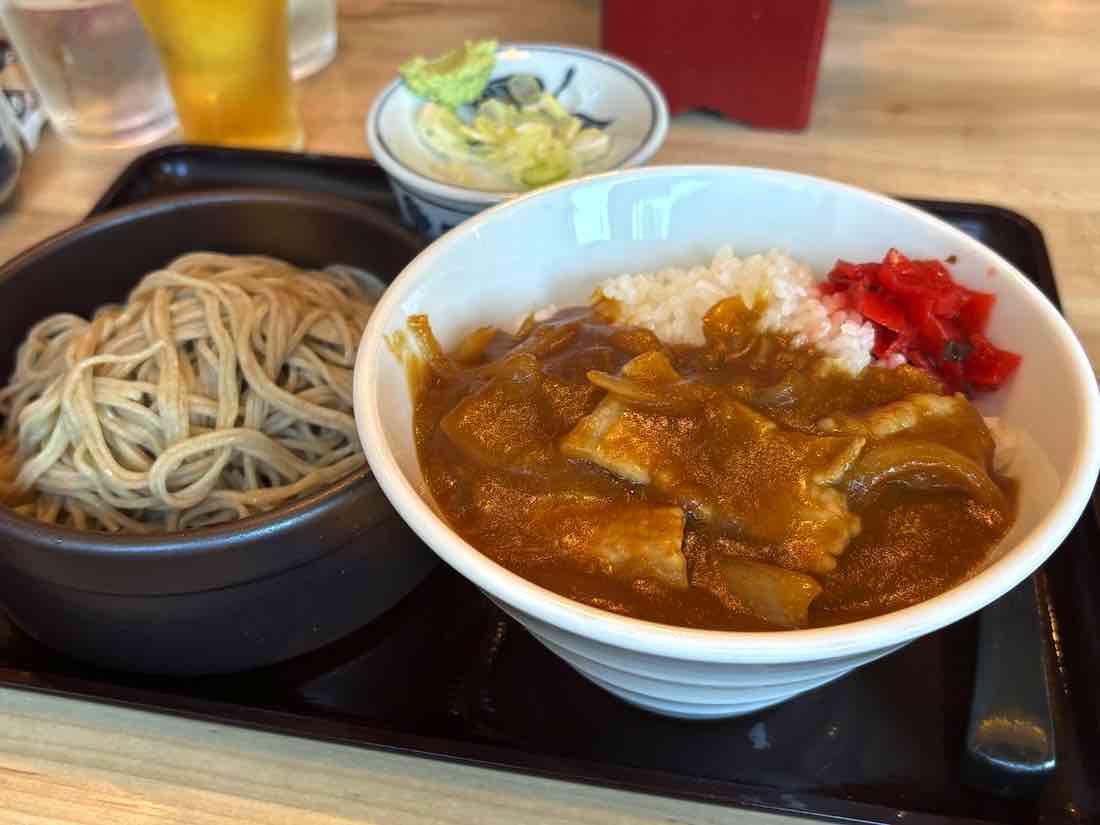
(482, 273)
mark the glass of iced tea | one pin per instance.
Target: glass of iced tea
(228, 66)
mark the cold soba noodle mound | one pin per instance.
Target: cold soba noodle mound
(220, 389)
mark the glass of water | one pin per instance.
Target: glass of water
(312, 25)
(94, 67)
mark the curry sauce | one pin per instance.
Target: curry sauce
(745, 484)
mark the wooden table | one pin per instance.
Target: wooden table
(955, 100)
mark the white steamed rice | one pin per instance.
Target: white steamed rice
(672, 302)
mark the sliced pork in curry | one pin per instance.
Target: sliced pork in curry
(729, 466)
(923, 441)
(742, 484)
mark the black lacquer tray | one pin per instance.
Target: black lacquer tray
(446, 675)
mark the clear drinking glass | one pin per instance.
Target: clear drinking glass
(92, 64)
(312, 36)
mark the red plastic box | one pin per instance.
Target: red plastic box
(754, 61)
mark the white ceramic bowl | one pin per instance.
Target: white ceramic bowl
(593, 83)
(551, 246)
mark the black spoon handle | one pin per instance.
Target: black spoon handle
(1010, 739)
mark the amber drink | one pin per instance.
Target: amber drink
(228, 67)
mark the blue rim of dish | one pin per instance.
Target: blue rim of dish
(656, 105)
(432, 199)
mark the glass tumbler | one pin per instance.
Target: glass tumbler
(312, 36)
(229, 68)
(93, 66)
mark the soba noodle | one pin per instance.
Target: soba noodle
(221, 388)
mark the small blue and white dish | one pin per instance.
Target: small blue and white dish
(597, 88)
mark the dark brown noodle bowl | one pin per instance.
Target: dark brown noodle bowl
(218, 598)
